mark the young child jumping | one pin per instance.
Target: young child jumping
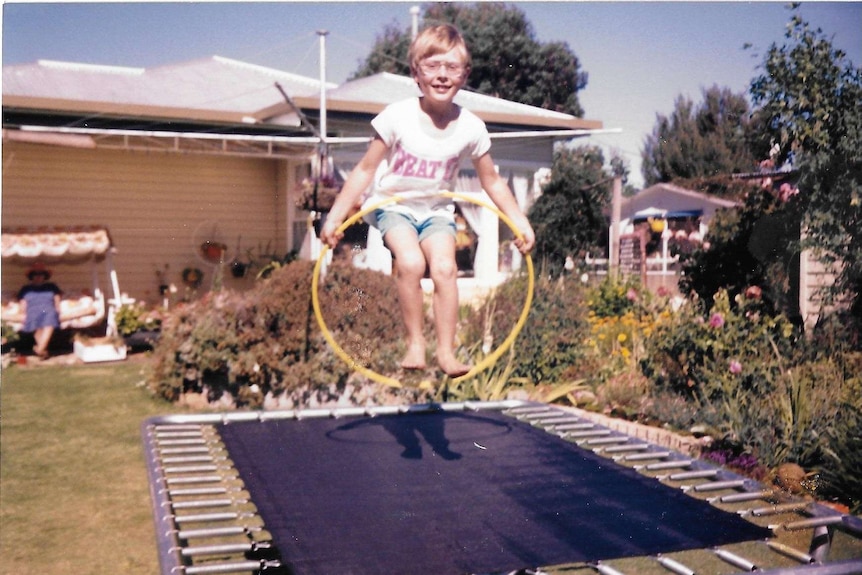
(417, 151)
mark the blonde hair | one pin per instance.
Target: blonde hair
(437, 40)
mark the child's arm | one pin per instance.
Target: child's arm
(357, 182)
(499, 192)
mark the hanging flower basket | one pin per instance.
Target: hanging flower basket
(327, 190)
(657, 225)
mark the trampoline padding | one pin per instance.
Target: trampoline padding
(456, 492)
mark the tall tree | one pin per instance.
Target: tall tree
(809, 97)
(508, 60)
(704, 141)
(568, 217)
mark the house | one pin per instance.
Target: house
(656, 226)
(197, 165)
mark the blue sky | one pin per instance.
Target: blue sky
(640, 56)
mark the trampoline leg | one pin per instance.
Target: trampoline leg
(821, 542)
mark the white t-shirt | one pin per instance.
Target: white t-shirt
(419, 163)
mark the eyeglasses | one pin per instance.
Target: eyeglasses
(451, 68)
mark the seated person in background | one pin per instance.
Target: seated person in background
(40, 303)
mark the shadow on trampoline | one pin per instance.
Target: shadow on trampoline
(430, 426)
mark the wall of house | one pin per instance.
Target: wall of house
(814, 277)
(159, 208)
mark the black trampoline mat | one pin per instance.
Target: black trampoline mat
(443, 493)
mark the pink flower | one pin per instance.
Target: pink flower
(716, 321)
(735, 367)
(632, 295)
(753, 292)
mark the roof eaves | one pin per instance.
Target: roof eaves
(118, 109)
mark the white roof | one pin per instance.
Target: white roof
(662, 198)
(215, 88)
(223, 90)
(372, 93)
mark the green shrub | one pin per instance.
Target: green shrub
(841, 470)
(711, 357)
(8, 335)
(550, 347)
(614, 297)
(266, 341)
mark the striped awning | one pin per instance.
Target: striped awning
(56, 245)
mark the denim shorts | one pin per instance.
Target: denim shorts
(389, 219)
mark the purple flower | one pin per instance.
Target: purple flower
(735, 367)
(717, 320)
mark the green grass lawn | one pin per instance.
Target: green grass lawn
(74, 497)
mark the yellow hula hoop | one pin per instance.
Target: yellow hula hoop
(487, 362)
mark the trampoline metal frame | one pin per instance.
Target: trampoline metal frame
(184, 459)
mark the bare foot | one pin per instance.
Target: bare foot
(415, 357)
(452, 367)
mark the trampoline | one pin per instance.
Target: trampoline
(467, 488)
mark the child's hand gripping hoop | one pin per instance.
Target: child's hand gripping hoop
(487, 362)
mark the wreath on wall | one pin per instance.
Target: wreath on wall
(192, 277)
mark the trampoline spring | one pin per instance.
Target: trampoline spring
(606, 569)
(669, 464)
(700, 474)
(178, 434)
(212, 532)
(532, 416)
(194, 459)
(625, 448)
(528, 409)
(607, 440)
(238, 567)
(206, 503)
(198, 491)
(718, 485)
(560, 420)
(197, 479)
(779, 509)
(200, 441)
(647, 456)
(735, 560)
(218, 549)
(178, 427)
(788, 551)
(573, 426)
(226, 516)
(181, 450)
(195, 468)
(674, 566)
(587, 433)
(747, 496)
(810, 523)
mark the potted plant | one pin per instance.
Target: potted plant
(138, 325)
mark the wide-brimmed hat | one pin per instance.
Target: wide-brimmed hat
(38, 269)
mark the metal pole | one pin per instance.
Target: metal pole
(614, 252)
(322, 34)
(414, 14)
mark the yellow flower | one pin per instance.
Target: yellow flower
(622, 337)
